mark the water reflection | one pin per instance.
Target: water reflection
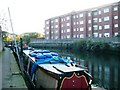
(105, 69)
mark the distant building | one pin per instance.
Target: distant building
(98, 22)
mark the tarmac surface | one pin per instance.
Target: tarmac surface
(11, 75)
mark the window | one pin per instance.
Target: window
(68, 17)
(115, 17)
(74, 36)
(74, 23)
(100, 20)
(81, 29)
(89, 35)
(77, 29)
(100, 27)
(68, 36)
(106, 26)
(51, 26)
(95, 20)
(81, 15)
(100, 35)
(51, 21)
(99, 12)
(89, 21)
(77, 36)
(56, 26)
(107, 34)
(95, 27)
(115, 25)
(81, 22)
(89, 14)
(61, 25)
(68, 24)
(56, 20)
(106, 18)
(81, 36)
(116, 34)
(89, 28)
(95, 13)
(68, 30)
(95, 34)
(106, 10)
(77, 22)
(47, 22)
(115, 8)
(74, 29)
(47, 27)
(47, 32)
(76, 16)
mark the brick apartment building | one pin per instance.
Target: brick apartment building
(96, 22)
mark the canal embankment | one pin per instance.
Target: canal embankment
(11, 75)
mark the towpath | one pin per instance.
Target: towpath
(11, 75)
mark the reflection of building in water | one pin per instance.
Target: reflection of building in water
(105, 74)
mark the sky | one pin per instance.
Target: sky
(30, 15)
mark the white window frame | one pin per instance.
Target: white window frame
(100, 27)
(107, 18)
(68, 17)
(115, 17)
(81, 29)
(81, 15)
(107, 34)
(115, 8)
(68, 30)
(81, 35)
(81, 22)
(89, 28)
(95, 27)
(89, 14)
(115, 25)
(100, 19)
(106, 10)
(89, 21)
(99, 12)
(95, 19)
(106, 26)
(68, 24)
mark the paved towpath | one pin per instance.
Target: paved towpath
(11, 75)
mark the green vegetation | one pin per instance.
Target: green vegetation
(85, 45)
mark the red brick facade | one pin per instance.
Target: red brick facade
(99, 22)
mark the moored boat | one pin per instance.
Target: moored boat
(48, 70)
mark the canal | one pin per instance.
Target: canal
(104, 68)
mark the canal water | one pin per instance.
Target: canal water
(104, 68)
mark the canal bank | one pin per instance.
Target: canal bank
(11, 75)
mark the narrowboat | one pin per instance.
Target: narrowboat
(49, 70)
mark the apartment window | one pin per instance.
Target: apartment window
(100, 27)
(115, 8)
(95, 20)
(95, 27)
(107, 34)
(76, 16)
(115, 17)
(89, 14)
(89, 21)
(106, 18)
(47, 22)
(81, 29)
(115, 25)
(95, 34)
(74, 23)
(81, 22)
(89, 35)
(51, 21)
(77, 29)
(95, 13)
(89, 28)
(106, 10)
(116, 34)
(106, 26)
(68, 30)
(47, 32)
(74, 36)
(68, 24)
(47, 27)
(77, 36)
(68, 17)
(81, 36)
(99, 12)
(100, 35)
(61, 25)
(81, 15)
(100, 20)
(56, 31)
(77, 23)
(68, 36)
(62, 31)
(56, 37)
(56, 20)
(52, 32)
(51, 26)
(74, 29)
(56, 26)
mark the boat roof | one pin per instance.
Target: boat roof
(57, 68)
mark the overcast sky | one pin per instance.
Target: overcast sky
(30, 15)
